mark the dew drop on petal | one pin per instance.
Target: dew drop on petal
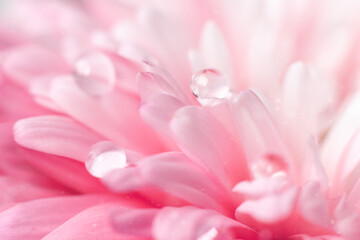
(269, 165)
(210, 87)
(95, 73)
(105, 157)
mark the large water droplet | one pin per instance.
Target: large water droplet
(269, 165)
(105, 157)
(210, 86)
(95, 73)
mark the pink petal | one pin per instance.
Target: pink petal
(214, 48)
(340, 136)
(71, 174)
(14, 161)
(206, 141)
(313, 205)
(55, 135)
(193, 223)
(35, 219)
(271, 208)
(124, 180)
(21, 105)
(261, 187)
(176, 174)
(14, 190)
(104, 116)
(164, 80)
(91, 224)
(259, 134)
(158, 109)
(27, 62)
(347, 221)
(135, 222)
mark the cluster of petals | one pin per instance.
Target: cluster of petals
(180, 120)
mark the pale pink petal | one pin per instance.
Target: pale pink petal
(55, 135)
(255, 126)
(354, 195)
(206, 141)
(27, 62)
(261, 187)
(193, 223)
(105, 116)
(158, 110)
(347, 221)
(313, 205)
(214, 49)
(175, 174)
(271, 208)
(341, 133)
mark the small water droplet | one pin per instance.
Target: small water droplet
(105, 157)
(210, 86)
(95, 73)
(269, 165)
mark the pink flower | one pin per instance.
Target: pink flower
(179, 120)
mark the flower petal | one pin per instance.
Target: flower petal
(135, 222)
(104, 116)
(207, 142)
(193, 223)
(35, 219)
(55, 135)
(176, 174)
(271, 208)
(27, 62)
(91, 224)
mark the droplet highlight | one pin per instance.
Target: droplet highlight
(210, 87)
(269, 165)
(95, 73)
(105, 157)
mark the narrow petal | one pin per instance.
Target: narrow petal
(347, 123)
(176, 174)
(214, 48)
(55, 135)
(208, 143)
(158, 110)
(104, 116)
(258, 132)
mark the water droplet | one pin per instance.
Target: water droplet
(105, 157)
(95, 73)
(269, 165)
(210, 86)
